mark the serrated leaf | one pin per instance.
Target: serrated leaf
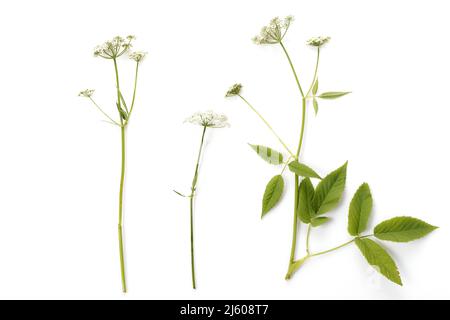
(402, 229)
(302, 170)
(317, 221)
(315, 87)
(316, 106)
(272, 194)
(377, 257)
(359, 211)
(332, 95)
(329, 190)
(305, 197)
(268, 154)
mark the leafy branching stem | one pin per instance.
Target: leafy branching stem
(191, 205)
(269, 126)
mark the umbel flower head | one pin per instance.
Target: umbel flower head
(114, 48)
(274, 32)
(318, 41)
(86, 93)
(209, 119)
(137, 56)
(234, 90)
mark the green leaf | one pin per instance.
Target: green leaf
(268, 154)
(123, 100)
(377, 257)
(123, 113)
(329, 190)
(332, 95)
(359, 211)
(305, 197)
(402, 229)
(303, 170)
(317, 221)
(315, 87)
(316, 106)
(180, 194)
(272, 195)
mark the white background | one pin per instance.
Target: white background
(60, 164)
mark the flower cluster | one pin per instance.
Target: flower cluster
(274, 32)
(209, 119)
(318, 41)
(234, 90)
(137, 56)
(114, 48)
(86, 93)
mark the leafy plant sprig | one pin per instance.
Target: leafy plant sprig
(311, 203)
(206, 120)
(112, 50)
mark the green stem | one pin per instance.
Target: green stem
(293, 69)
(122, 178)
(134, 90)
(338, 247)
(332, 249)
(308, 234)
(295, 226)
(191, 204)
(315, 72)
(268, 125)
(104, 113)
(116, 69)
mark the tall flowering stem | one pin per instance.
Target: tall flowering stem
(311, 202)
(112, 50)
(206, 120)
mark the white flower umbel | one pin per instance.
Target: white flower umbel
(209, 119)
(86, 93)
(137, 56)
(112, 50)
(274, 32)
(234, 90)
(318, 41)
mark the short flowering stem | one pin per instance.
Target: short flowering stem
(191, 205)
(269, 126)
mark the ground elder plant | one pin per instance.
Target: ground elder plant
(112, 50)
(316, 196)
(205, 120)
